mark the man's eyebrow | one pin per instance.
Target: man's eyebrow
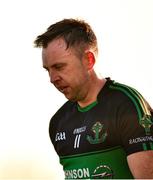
(58, 64)
(54, 65)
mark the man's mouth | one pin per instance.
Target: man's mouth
(62, 89)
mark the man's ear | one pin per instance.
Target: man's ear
(91, 59)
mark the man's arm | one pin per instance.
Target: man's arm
(141, 164)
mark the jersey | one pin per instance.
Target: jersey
(94, 142)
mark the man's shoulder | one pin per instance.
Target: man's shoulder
(127, 96)
(120, 93)
(66, 107)
(59, 116)
(123, 90)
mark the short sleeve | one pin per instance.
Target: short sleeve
(135, 126)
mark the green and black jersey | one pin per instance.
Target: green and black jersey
(93, 142)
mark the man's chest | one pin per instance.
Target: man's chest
(85, 132)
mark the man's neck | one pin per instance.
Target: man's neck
(94, 88)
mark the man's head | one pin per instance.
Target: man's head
(68, 54)
(76, 33)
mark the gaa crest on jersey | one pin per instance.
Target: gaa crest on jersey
(146, 122)
(99, 134)
(60, 136)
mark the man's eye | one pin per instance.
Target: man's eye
(59, 66)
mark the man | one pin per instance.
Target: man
(105, 129)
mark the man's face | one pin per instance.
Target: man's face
(67, 72)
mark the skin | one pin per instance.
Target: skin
(141, 164)
(77, 80)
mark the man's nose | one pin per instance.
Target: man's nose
(54, 76)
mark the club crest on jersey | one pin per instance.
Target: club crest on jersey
(99, 134)
(146, 122)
